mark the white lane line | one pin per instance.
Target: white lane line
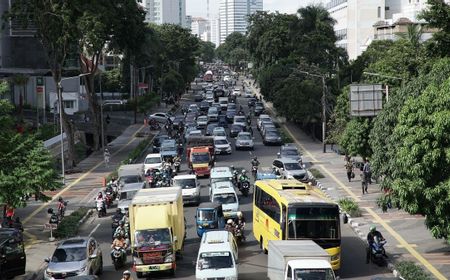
(92, 232)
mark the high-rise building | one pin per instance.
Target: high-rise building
(234, 14)
(215, 31)
(199, 26)
(165, 11)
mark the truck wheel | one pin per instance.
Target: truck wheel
(139, 275)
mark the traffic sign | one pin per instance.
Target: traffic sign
(39, 89)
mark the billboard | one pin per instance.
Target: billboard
(366, 100)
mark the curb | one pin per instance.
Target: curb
(85, 217)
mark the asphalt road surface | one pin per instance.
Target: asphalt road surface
(253, 262)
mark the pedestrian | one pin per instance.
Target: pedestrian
(107, 157)
(349, 168)
(367, 171)
(363, 183)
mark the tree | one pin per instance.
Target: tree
(26, 167)
(438, 16)
(340, 117)
(421, 180)
(206, 51)
(228, 50)
(355, 138)
(172, 84)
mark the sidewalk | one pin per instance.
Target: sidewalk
(407, 235)
(79, 190)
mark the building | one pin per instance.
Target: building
(165, 11)
(233, 15)
(188, 22)
(215, 31)
(200, 27)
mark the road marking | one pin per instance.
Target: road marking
(26, 220)
(93, 230)
(376, 217)
(401, 246)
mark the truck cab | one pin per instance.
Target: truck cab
(200, 161)
(309, 269)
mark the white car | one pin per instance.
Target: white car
(236, 92)
(213, 114)
(195, 133)
(221, 145)
(219, 131)
(160, 117)
(244, 140)
(153, 161)
(202, 122)
(190, 187)
(240, 120)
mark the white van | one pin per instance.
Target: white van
(228, 198)
(220, 185)
(220, 174)
(190, 187)
(217, 257)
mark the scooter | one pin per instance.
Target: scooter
(245, 188)
(254, 171)
(119, 257)
(176, 165)
(101, 209)
(238, 234)
(377, 252)
(108, 199)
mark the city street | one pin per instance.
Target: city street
(253, 263)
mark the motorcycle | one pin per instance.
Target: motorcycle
(108, 199)
(115, 223)
(101, 209)
(238, 234)
(62, 208)
(119, 257)
(54, 217)
(245, 188)
(176, 165)
(377, 252)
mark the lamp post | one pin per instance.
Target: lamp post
(324, 106)
(61, 108)
(384, 76)
(134, 90)
(116, 102)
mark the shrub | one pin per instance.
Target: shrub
(409, 271)
(350, 207)
(137, 152)
(70, 224)
(316, 173)
(285, 136)
(46, 131)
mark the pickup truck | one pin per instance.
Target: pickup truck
(200, 154)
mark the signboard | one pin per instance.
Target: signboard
(366, 100)
(39, 89)
(142, 85)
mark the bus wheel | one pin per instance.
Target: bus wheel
(261, 245)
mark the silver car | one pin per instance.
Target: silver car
(290, 169)
(74, 257)
(244, 140)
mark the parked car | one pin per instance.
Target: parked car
(272, 138)
(235, 129)
(73, 257)
(259, 108)
(290, 169)
(160, 117)
(244, 140)
(289, 150)
(221, 145)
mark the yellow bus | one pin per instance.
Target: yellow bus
(289, 209)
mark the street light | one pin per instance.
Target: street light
(134, 89)
(324, 106)
(110, 102)
(384, 76)
(61, 108)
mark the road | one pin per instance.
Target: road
(253, 262)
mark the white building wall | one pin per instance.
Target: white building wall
(215, 31)
(165, 11)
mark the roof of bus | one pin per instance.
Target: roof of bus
(293, 191)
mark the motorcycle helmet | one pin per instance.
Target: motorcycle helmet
(239, 215)
(373, 228)
(122, 223)
(126, 272)
(230, 221)
(118, 211)
(117, 235)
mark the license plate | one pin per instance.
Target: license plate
(205, 224)
(153, 268)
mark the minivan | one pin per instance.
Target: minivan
(229, 200)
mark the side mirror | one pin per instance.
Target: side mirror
(344, 218)
(47, 260)
(93, 256)
(278, 154)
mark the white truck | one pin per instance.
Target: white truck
(298, 259)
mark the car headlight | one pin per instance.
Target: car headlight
(289, 176)
(81, 270)
(169, 258)
(335, 257)
(279, 138)
(137, 261)
(230, 278)
(48, 273)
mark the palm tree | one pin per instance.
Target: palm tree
(413, 34)
(315, 18)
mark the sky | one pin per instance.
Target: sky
(197, 8)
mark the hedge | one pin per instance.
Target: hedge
(69, 225)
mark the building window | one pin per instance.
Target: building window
(69, 104)
(379, 12)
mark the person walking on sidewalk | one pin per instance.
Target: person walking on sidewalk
(363, 182)
(367, 171)
(349, 168)
(107, 157)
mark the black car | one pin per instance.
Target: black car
(198, 97)
(259, 108)
(157, 142)
(223, 122)
(204, 106)
(230, 115)
(251, 102)
(177, 121)
(235, 129)
(210, 128)
(272, 138)
(13, 258)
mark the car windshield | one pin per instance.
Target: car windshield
(244, 137)
(215, 260)
(236, 128)
(225, 198)
(212, 110)
(221, 142)
(313, 274)
(168, 148)
(74, 254)
(200, 158)
(292, 166)
(129, 179)
(202, 119)
(290, 152)
(152, 237)
(184, 183)
(151, 160)
(239, 119)
(220, 133)
(231, 106)
(272, 133)
(127, 195)
(205, 214)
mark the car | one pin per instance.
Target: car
(289, 150)
(210, 100)
(160, 117)
(265, 123)
(210, 128)
(221, 145)
(230, 115)
(74, 257)
(244, 140)
(198, 97)
(153, 161)
(251, 102)
(228, 198)
(157, 142)
(248, 93)
(241, 120)
(222, 120)
(194, 132)
(272, 138)
(267, 126)
(263, 118)
(231, 106)
(14, 258)
(213, 114)
(190, 188)
(236, 92)
(193, 107)
(126, 195)
(190, 121)
(202, 122)
(219, 131)
(188, 130)
(168, 149)
(204, 106)
(235, 129)
(290, 169)
(259, 108)
(177, 121)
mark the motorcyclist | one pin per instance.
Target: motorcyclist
(99, 199)
(120, 230)
(240, 223)
(126, 275)
(372, 236)
(118, 215)
(230, 226)
(242, 178)
(119, 241)
(61, 206)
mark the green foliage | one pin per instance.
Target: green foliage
(45, 132)
(421, 178)
(146, 102)
(438, 16)
(355, 138)
(285, 136)
(206, 51)
(411, 271)
(350, 207)
(4, 87)
(271, 78)
(138, 151)
(340, 116)
(172, 83)
(316, 173)
(70, 224)
(233, 50)
(112, 81)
